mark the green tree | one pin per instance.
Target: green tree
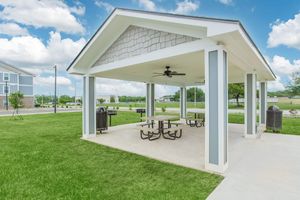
(190, 93)
(15, 100)
(43, 99)
(63, 99)
(112, 99)
(236, 91)
(132, 99)
(294, 87)
(101, 101)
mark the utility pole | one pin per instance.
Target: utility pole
(195, 98)
(6, 96)
(75, 93)
(55, 82)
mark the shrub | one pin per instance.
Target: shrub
(37, 105)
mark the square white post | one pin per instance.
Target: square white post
(250, 105)
(183, 102)
(150, 99)
(262, 102)
(89, 107)
(216, 108)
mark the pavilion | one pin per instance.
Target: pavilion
(133, 45)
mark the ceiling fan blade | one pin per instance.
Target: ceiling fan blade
(157, 75)
(178, 74)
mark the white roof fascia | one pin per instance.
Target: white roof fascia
(255, 50)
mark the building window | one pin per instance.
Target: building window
(6, 90)
(6, 76)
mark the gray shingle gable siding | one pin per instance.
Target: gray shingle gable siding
(138, 40)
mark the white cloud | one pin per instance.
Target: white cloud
(108, 7)
(71, 88)
(276, 85)
(48, 81)
(226, 2)
(41, 13)
(186, 7)
(147, 4)
(80, 10)
(283, 69)
(31, 51)
(182, 7)
(285, 33)
(12, 29)
(118, 87)
(283, 66)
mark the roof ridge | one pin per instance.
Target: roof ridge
(7, 65)
(178, 15)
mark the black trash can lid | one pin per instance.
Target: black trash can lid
(100, 109)
(273, 108)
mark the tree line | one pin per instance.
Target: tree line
(235, 91)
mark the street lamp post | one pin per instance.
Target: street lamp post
(55, 82)
(195, 96)
(6, 96)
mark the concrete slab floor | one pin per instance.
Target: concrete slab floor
(264, 168)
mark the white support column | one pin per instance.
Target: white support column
(216, 108)
(262, 102)
(150, 99)
(89, 107)
(183, 102)
(250, 105)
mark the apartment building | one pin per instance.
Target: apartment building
(15, 79)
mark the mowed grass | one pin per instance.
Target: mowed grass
(43, 157)
(290, 125)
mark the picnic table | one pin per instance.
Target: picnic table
(161, 119)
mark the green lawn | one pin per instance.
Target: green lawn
(43, 157)
(289, 125)
(287, 106)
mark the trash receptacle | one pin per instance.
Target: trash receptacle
(101, 119)
(141, 111)
(274, 118)
(110, 113)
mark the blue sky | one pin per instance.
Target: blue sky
(36, 35)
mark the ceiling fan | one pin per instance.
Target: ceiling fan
(168, 73)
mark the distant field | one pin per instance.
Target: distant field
(162, 104)
(288, 100)
(287, 106)
(284, 105)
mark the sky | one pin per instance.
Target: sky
(35, 35)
